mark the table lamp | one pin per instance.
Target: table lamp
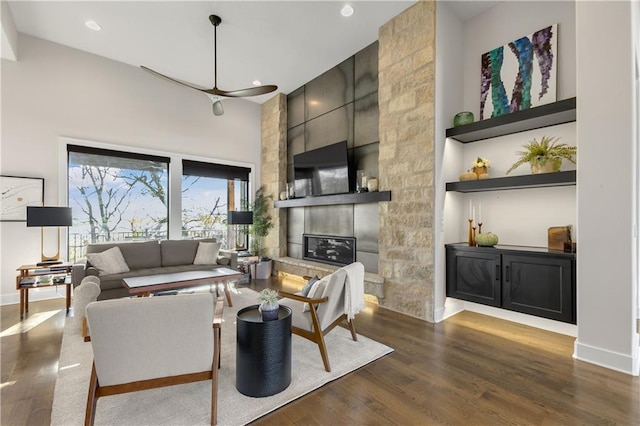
(240, 218)
(48, 216)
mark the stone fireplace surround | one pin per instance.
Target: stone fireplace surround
(406, 103)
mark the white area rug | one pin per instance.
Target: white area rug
(190, 404)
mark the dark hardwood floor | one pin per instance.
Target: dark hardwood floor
(469, 370)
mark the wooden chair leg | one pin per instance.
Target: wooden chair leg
(352, 327)
(92, 399)
(85, 330)
(323, 351)
(214, 375)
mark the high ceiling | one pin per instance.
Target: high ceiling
(286, 43)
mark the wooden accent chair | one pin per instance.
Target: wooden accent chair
(327, 309)
(145, 343)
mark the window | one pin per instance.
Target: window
(208, 191)
(115, 196)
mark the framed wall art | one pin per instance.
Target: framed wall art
(17, 194)
(519, 75)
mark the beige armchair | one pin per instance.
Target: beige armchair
(137, 345)
(332, 300)
(87, 292)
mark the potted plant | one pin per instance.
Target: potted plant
(545, 156)
(262, 224)
(479, 166)
(269, 306)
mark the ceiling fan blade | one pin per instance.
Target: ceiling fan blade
(250, 91)
(173, 80)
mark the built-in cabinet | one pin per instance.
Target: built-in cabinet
(530, 280)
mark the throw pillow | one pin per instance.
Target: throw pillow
(207, 254)
(108, 262)
(307, 287)
(317, 290)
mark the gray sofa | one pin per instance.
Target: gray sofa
(148, 258)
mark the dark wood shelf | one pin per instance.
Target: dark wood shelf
(327, 200)
(515, 182)
(533, 118)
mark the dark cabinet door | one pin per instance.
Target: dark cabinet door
(541, 286)
(473, 276)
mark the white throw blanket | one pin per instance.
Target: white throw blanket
(354, 289)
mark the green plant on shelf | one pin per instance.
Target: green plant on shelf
(544, 156)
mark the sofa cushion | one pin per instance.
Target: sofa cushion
(207, 254)
(108, 262)
(180, 252)
(138, 255)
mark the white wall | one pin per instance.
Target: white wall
(53, 91)
(518, 217)
(449, 97)
(607, 200)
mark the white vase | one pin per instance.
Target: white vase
(372, 185)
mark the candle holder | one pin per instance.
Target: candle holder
(472, 231)
(479, 227)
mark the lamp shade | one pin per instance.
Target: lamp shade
(49, 216)
(240, 217)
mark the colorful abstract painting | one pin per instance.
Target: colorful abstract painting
(526, 67)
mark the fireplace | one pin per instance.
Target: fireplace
(329, 249)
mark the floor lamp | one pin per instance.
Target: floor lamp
(48, 216)
(240, 218)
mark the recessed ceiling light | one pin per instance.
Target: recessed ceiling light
(346, 11)
(257, 83)
(93, 25)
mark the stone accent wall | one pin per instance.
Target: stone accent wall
(406, 98)
(274, 169)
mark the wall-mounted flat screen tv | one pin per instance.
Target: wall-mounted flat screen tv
(322, 171)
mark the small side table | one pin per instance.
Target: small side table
(30, 277)
(263, 352)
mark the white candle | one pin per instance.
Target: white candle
(470, 209)
(479, 212)
(473, 215)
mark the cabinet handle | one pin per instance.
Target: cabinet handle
(507, 275)
(497, 272)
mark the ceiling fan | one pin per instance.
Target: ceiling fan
(216, 94)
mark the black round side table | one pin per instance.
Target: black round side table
(263, 352)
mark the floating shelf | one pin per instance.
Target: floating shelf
(327, 200)
(520, 121)
(541, 180)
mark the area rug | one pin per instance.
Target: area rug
(190, 404)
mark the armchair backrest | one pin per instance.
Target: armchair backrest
(329, 311)
(146, 338)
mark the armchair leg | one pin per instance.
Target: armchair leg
(352, 327)
(92, 399)
(323, 352)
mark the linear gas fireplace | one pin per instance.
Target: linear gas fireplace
(329, 249)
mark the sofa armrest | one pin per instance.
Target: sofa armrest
(232, 256)
(78, 272)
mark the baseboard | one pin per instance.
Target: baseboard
(450, 308)
(629, 364)
(34, 295)
(530, 320)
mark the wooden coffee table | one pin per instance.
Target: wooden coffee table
(144, 286)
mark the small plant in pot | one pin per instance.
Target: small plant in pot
(269, 306)
(545, 156)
